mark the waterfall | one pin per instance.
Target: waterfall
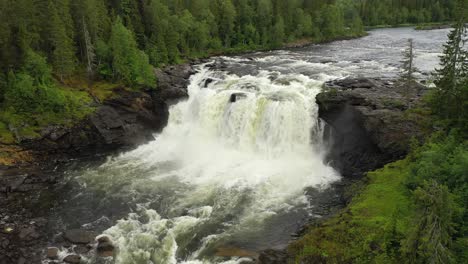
(234, 158)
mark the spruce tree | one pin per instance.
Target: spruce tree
(451, 78)
(408, 69)
(129, 63)
(63, 54)
(430, 239)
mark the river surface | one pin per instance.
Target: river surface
(240, 166)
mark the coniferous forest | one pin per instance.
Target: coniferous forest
(61, 60)
(44, 43)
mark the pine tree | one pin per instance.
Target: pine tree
(278, 34)
(408, 69)
(430, 239)
(128, 62)
(63, 54)
(452, 76)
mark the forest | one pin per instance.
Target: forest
(45, 43)
(61, 58)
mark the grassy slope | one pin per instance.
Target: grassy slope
(29, 125)
(364, 231)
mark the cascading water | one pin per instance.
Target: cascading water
(238, 167)
(234, 158)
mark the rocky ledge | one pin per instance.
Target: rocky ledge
(125, 120)
(368, 124)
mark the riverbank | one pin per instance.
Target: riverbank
(381, 222)
(417, 26)
(390, 208)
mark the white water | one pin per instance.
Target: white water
(232, 175)
(228, 167)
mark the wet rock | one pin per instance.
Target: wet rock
(207, 82)
(103, 238)
(173, 81)
(82, 249)
(271, 256)
(127, 119)
(21, 260)
(28, 233)
(52, 252)
(366, 123)
(105, 247)
(236, 96)
(72, 259)
(5, 243)
(78, 236)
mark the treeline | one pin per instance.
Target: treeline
(44, 43)
(120, 39)
(396, 12)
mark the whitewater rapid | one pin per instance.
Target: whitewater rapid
(238, 153)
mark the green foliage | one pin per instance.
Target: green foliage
(411, 211)
(128, 62)
(60, 35)
(450, 101)
(370, 230)
(32, 100)
(391, 12)
(430, 238)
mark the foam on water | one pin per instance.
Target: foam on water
(234, 155)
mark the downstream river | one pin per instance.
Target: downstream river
(241, 165)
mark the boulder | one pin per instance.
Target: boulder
(28, 233)
(72, 259)
(79, 236)
(52, 252)
(366, 122)
(105, 249)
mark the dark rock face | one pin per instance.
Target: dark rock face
(367, 127)
(173, 81)
(271, 256)
(78, 236)
(72, 259)
(126, 120)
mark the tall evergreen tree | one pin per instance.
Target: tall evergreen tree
(128, 62)
(452, 76)
(408, 69)
(63, 54)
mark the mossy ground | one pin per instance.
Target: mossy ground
(16, 125)
(365, 232)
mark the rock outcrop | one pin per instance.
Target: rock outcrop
(127, 119)
(367, 123)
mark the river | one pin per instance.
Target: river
(241, 165)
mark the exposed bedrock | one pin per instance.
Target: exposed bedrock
(367, 123)
(125, 120)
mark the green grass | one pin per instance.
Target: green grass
(6, 136)
(366, 231)
(17, 125)
(385, 214)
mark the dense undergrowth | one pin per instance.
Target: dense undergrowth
(403, 210)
